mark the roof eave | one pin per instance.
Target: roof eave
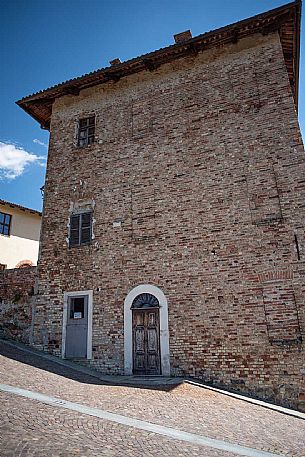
(44, 125)
(154, 59)
(20, 207)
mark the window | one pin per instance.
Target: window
(145, 301)
(86, 128)
(5, 223)
(77, 307)
(80, 229)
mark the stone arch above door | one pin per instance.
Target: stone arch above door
(164, 334)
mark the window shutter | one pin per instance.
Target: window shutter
(74, 229)
(86, 228)
(80, 229)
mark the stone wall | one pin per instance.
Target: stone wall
(202, 162)
(16, 297)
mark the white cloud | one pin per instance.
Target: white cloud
(14, 159)
(40, 142)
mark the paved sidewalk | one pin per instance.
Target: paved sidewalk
(170, 432)
(163, 382)
(30, 427)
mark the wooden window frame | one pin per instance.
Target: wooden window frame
(4, 224)
(79, 229)
(85, 135)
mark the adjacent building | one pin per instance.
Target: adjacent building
(173, 222)
(19, 235)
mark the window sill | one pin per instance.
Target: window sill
(79, 245)
(89, 146)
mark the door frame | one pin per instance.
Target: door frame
(77, 293)
(164, 334)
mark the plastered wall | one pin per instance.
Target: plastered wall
(23, 242)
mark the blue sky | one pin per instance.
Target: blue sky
(44, 42)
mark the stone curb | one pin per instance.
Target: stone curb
(156, 381)
(254, 401)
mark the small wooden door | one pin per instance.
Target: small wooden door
(146, 341)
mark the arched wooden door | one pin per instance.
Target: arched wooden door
(146, 335)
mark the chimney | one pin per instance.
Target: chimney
(183, 36)
(114, 62)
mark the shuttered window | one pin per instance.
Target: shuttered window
(80, 229)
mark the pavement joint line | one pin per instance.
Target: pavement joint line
(139, 424)
(131, 381)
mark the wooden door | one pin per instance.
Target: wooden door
(146, 341)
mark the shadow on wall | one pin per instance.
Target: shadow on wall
(26, 226)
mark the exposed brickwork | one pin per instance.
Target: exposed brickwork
(16, 292)
(202, 162)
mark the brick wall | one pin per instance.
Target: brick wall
(202, 161)
(16, 292)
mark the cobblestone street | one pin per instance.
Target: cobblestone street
(30, 427)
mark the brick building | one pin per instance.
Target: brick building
(173, 224)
